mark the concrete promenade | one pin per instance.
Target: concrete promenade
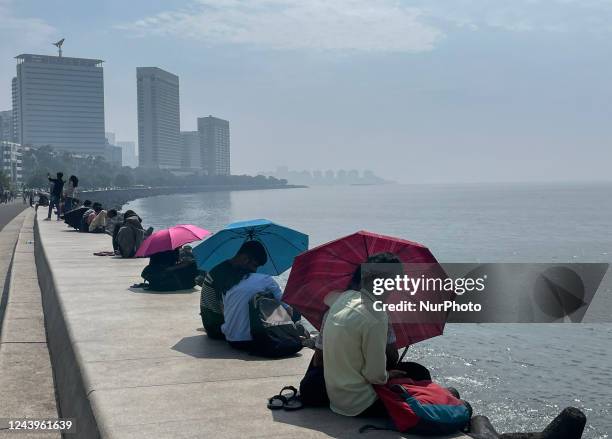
(8, 211)
(26, 382)
(135, 364)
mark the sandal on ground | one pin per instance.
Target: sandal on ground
(277, 402)
(287, 401)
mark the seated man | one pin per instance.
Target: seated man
(221, 279)
(355, 344)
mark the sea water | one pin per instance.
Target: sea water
(519, 375)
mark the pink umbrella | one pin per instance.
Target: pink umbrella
(170, 239)
(329, 268)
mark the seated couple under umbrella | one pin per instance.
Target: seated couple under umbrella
(227, 290)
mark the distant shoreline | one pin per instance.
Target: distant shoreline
(116, 198)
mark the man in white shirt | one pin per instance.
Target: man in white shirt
(237, 326)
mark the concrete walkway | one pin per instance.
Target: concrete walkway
(8, 211)
(26, 382)
(134, 364)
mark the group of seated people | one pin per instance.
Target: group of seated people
(125, 228)
(354, 351)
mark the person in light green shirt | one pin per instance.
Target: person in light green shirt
(355, 341)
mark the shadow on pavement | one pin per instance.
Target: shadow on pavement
(200, 346)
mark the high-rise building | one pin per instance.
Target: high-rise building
(192, 157)
(214, 145)
(128, 153)
(6, 126)
(159, 142)
(59, 101)
(15, 96)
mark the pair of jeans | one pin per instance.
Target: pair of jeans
(54, 201)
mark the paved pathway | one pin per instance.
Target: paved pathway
(26, 381)
(9, 211)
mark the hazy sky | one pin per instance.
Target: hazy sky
(433, 91)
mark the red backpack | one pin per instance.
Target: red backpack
(423, 407)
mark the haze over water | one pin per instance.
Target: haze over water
(519, 375)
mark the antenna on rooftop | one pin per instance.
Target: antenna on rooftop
(59, 46)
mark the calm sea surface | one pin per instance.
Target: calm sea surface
(519, 375)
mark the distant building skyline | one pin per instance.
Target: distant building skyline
(158, 108)
(59, 101)
(215, 145)
(328, 177)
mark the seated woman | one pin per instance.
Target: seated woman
(90, 215)
(99, 222)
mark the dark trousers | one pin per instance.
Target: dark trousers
(212, 322)
(242, 345)
(54, 201)
(312, 387)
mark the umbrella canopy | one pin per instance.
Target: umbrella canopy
(170, 239)
(282, 245)
(330, 267)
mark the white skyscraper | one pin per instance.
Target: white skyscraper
(59, 101)
(129, 153)
(214, 145)
(159, 141)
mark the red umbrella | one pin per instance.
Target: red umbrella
(330, 267)
(170, 239)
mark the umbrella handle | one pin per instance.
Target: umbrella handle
(403, 354)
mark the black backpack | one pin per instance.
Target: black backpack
(274, 333)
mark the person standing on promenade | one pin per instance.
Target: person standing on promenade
(56, 194)
(70, 193)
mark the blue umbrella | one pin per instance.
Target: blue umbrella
(281, 243)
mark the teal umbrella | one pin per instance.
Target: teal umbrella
(282, 245)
